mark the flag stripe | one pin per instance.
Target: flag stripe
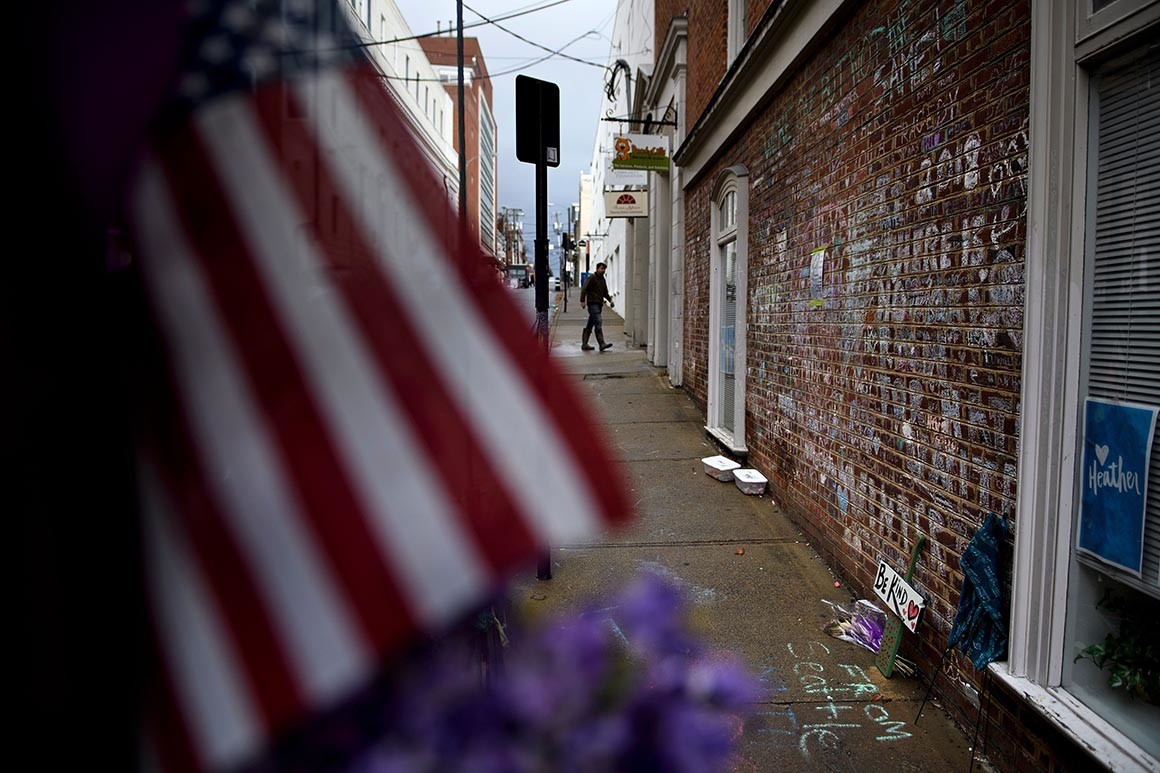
(513, 429)
(397, 349)
(437, 567)
(239, 459)
(167, 742)
(320, 481)
(230, 581)
(580, 450)
(225, 725)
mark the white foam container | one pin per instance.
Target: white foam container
(749, 481)
(719, 467)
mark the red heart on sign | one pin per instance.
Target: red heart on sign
(912, 611)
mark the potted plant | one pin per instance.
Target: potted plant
(1129, 654)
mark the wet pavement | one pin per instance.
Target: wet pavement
(754, 582)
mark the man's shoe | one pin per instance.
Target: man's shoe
(586, 347)
(605, 346)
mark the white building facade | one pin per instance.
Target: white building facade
(663, 105)
(622, 243)
(413, 82)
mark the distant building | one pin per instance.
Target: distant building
(511, 236)
(584, 222)
(622, 243)
(479, 129)
(414, 83)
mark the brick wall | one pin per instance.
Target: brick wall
(706, 53)
(707, 49)
(696, 334)
(891, 411)
(664, 11)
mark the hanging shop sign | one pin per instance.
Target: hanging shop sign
(1117, 446)
(626, 204)
(635, 177)
(649, 152)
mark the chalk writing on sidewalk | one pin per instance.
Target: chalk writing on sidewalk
(820, 727)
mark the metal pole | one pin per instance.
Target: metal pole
(542, 238)
(544, 565)
(462, 130)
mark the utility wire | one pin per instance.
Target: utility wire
(438, 33)
(493, 75)
(516, 35)
(525, 58)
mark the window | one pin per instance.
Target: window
(727, 290)
(1120, 361)
(736, 30)
(487, 161)
(1092, 330)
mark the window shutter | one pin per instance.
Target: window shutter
(1124, 261)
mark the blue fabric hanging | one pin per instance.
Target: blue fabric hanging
(980, 627)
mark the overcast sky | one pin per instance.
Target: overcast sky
(589, 24)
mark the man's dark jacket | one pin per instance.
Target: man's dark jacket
(595, 290)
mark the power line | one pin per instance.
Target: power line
(494, 75)
(495, 58)
(533, 43)
(438, 33)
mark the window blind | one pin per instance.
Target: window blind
(1123, 343)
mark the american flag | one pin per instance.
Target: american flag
(357, 432)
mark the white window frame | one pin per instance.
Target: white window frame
(1067, 43)
(735, 180)
(736, 30)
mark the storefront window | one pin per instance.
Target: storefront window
(1084, 570)
(1114, 579)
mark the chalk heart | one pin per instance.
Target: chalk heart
(911, 611)
(1102, 454)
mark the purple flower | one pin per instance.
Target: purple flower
(723, 682)
(572, 697)
(651, 613)
(696, 739)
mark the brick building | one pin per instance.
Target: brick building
(480, 133)
(900, 243)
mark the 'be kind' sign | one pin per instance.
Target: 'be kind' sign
(1117, 444)
(900, 597)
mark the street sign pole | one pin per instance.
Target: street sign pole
(538, 142)
(542, 240)
(544, 564)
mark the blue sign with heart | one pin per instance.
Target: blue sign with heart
(1117, 446)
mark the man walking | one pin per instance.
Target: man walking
(594, 292)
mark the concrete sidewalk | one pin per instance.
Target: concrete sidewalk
(754, 582)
